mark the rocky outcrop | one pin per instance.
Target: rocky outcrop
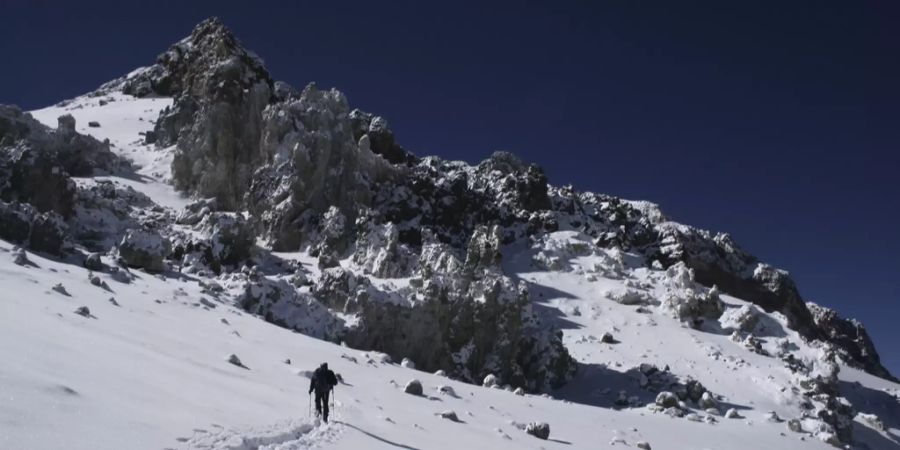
(851, 340)
(316, 165)
(315, 174)
(36, 162)
(41, 232)
(278, 302)
(380, 137)
(465, 318)
(231, 238)
(220, 90)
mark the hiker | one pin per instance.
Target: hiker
(322, 381)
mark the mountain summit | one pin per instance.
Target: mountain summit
(201, 181)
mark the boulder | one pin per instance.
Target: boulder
(666, 399)
(144, 249)
(94, 262)
(413, 387)
(707, 401)
(540, 430)
(233, 359)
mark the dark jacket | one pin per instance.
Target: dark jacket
(322, 380)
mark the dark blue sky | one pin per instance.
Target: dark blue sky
(778, 122)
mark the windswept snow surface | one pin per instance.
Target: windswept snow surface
(151, 371)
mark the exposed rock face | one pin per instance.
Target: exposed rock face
(230, 236)
(41, 232)
(851, 339)
(278, 302)
(718, 260)
(220, 91)
(380, 137)
(316, 165)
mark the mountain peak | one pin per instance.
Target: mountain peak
(211, 61)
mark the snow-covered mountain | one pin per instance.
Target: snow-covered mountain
(196, 209)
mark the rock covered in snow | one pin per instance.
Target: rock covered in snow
(688, 301)
(707, 401)
(93, 261)
(144, 249)
(280, 303)
(413, 387)
(20, 256)
(667, 399)
(743, 318)
(540, 430)
(407, 363)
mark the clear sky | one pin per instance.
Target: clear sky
(778, 122)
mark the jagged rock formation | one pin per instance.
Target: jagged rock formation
(321, 176)
(302, 170)
(850, 338)
(220, 91)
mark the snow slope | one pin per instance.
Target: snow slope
(152, 371)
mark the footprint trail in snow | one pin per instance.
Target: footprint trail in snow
(294, 434)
